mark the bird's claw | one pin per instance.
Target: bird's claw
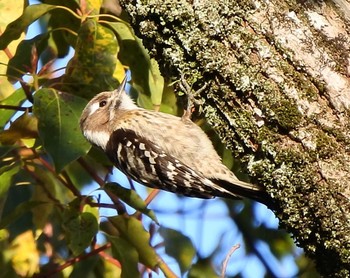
(191, 100)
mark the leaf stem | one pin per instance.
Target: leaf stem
(119, 206)
(73, 261)
(17, 108)
(166, 269)
(151, 196)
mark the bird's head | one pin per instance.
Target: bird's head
(101, 112)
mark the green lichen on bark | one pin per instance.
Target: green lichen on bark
(255, 102)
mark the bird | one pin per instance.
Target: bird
(160, 150)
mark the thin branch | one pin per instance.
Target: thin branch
(65, 182)
(102, 205)
(166, 269)
(228, 256)
(151, 196)
(70, 184)
(17, 108)
(119, 206)
(110, 259)
(91, 172)
(72, 261)
(249, 241)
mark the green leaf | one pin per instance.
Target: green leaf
(24, 127)
(58, 115)
(6, 174)
(80, 227)
(127, 255)
(93, 210)
(15, 99)
(14, 30)
(134, 233)
(94, 64)
(4, 151)
(178, 246)
(85, 267)
(60, 41)
(131, 198)
(44, 191)
(20, 63)
(145, 72)
(82, 230)
(18, 212)
(203, 268)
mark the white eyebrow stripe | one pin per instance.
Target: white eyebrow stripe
(93, 108)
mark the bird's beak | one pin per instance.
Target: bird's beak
(116, 97)
(121, 87)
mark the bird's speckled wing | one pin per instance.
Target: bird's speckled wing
(148, 164)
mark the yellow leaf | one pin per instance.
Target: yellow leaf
(9, 11)
(25, 256)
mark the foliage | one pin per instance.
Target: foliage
(47, 225)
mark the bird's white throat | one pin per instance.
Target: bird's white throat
(99, 138)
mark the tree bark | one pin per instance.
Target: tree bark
(279, 97)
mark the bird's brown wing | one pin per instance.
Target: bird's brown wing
(149, 165)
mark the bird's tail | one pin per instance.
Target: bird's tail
(238, 189)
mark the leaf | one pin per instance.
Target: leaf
(25, 256)
(127, 255)
(85, 267)
(15, 28)
(26, 126)
(6, 174)
(94, 64)
(202, 269)
(20, 63)
(145, 72)
(60, 42)
(4, 151)
(14, 99)
(131, 198)
(178, 246)
(10, 10)
(134, 233)
(18, 212)
(80, 227)
(90, 209)
(44, 191)
(4, 235)
(58, 115)
(93, 6)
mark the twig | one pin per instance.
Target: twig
(166, 269)
(73, 261)
(91, 172)
(119, 206)
(65, 182)
(110, 259)
(151, 196)
(228, 256)
(17, 108)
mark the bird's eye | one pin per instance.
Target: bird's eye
(103, 103)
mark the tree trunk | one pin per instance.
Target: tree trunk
(279, 97)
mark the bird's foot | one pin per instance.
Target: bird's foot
(191, 97)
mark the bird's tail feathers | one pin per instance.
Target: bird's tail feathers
(239, 189)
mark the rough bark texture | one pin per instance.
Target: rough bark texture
(279, 97)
